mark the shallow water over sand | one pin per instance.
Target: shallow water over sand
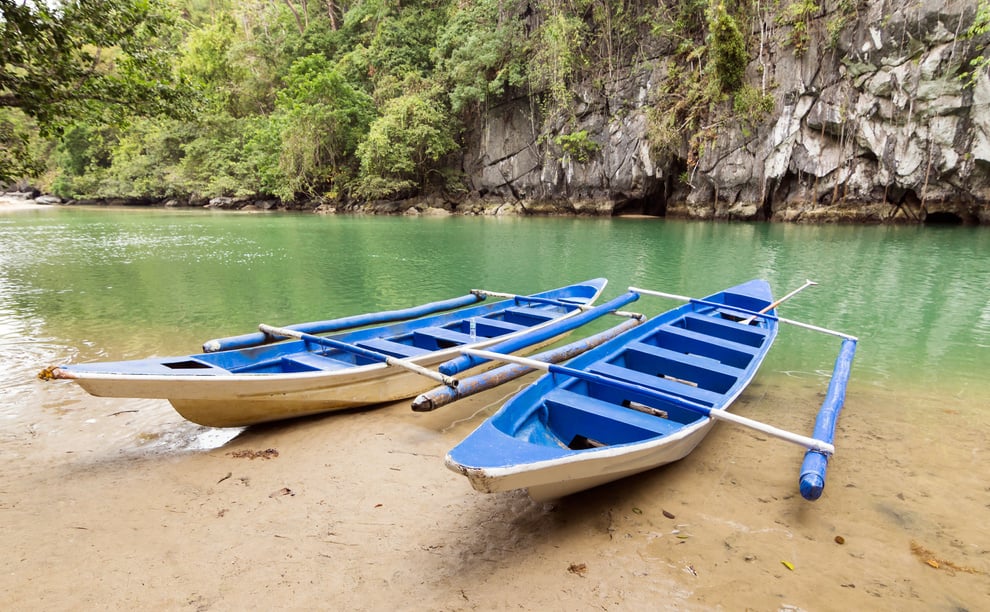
(158, 511)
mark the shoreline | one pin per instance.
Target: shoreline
(428, 206)
(11, 204)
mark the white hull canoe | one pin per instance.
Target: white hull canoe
(564, 434)
(238, 387)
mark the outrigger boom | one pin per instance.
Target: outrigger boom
(467, 360)
(443, 395)
(716, 414)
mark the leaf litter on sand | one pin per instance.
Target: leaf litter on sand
(929, 558)
(268, 453)
(578, 568)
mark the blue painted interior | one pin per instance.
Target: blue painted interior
(702, 352)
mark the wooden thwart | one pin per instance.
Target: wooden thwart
(721, 415)
(357, 350)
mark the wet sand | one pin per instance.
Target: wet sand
(123, 504)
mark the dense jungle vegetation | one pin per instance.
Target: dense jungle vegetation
(362, 99)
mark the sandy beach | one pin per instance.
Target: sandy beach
(115, 504)
(12, 204)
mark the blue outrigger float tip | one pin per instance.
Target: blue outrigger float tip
(466, 362)
(332, 325)
(812, 481)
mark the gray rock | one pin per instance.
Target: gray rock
(876, 125)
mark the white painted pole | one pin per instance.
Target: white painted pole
(721, 415)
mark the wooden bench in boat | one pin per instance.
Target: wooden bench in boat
(444, 338)
(724, 329)
(688, 392)
(313, 361)
(573, 414)
(395, 349)
(705, 372)
(686, 341)
(529, 315)
(495, 327)
(298, 362)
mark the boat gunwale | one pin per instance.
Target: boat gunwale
(303, 381)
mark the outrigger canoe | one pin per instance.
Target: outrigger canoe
(644, 399)
(251, 378)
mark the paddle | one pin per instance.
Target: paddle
(753, 315)
(722, 415)
(357, 350)
(685, 298)
(807, 283)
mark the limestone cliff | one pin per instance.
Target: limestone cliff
(871, 123)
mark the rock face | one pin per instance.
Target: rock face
(870, 124)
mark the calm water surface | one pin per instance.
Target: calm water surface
(91, 284)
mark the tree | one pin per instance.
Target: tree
(86, 59)
(475, 52)
(404, 144)
(322, 118)
(21, 152)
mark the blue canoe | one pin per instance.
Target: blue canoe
(250, 379)
(567, 433)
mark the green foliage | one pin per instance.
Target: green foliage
(577, 146)
(213, 157)
(323, 118)
(405, 144)
(979, 29)
(692, 102)
(206, 64)
(728, 49)
(363, 98)
(557, 57)
(685, 101)
(683, 20)
(844, 14)
(798, 15)
(390, 40)
(87, 59)
(751, 106)
(83, 148)
(21, 150)
(476, 55)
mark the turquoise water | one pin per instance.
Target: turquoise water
(91, 283)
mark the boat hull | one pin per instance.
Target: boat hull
(297, 378)
(558, 479)
(563, 434)
(230, 406)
